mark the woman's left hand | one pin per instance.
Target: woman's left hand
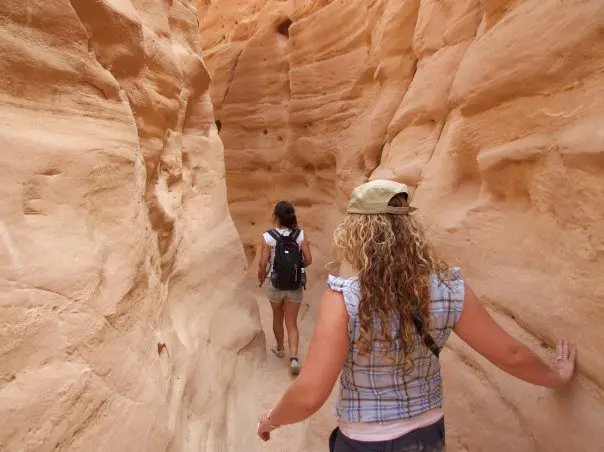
(264, 426)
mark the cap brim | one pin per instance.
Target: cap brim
(382, 210)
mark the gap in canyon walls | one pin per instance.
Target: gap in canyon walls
(293, 125)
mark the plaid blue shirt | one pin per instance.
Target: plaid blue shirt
(374, 390)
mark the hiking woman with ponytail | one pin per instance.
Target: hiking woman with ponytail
(381, 327)
(285, 255)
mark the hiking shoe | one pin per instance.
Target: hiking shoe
(294, 366)
(279, 353)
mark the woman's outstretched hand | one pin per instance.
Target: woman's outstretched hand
(564, 362)
(264, 426)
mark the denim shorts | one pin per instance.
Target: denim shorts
(276, 295)
(426, 439)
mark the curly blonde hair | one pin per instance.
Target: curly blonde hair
(395, 262)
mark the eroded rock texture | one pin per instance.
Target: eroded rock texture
(120, 321)
(493, 110)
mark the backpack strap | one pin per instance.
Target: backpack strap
(274, 234)
(296, 233)
(428, 339)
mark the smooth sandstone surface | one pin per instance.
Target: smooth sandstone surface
(492, 110)
(122, 322)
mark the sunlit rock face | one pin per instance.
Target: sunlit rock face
(121, 322)
(492, 111)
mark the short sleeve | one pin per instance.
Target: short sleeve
(446, 305)
(270, 241)
(300, 238)
(348, 289)
(458, 294)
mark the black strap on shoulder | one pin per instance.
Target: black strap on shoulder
(428, 340)
(274, 234)
(296, 233)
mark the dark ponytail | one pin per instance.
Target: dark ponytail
(286, 215)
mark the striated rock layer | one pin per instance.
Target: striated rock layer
(121, 324)
(492, 110)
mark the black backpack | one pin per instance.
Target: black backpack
(288, 265)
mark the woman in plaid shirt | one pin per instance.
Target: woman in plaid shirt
(381, 327)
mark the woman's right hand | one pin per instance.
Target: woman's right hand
(564, 362)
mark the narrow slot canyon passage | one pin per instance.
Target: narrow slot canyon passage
(264, 164)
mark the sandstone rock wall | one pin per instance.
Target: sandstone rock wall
(492, 110)
(121, 324)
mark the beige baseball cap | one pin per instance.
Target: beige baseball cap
(373, 197)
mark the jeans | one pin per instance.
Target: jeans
(426, 439)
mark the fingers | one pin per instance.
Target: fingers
(562, 348)
(572, 353)
(263, 434)
(264, 431)
(565, 351)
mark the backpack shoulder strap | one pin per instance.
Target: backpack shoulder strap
(274, 234)
(296, 233)
(428, 339)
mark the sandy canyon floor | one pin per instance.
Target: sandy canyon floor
(312, 434)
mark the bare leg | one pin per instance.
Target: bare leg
(278, 322)
(291, 323)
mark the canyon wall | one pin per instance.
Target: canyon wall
(492, 111)
(121, 321)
